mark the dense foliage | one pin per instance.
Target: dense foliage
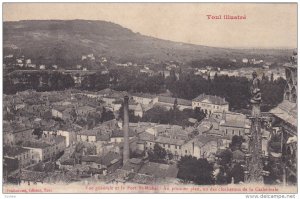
(198, 171)
(236, 90)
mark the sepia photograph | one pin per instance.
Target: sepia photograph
(149, 98)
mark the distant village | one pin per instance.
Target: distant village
(78, 136)
(89, 64)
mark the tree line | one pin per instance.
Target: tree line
(236, 90)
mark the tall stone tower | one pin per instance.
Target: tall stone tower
(126, 130)
(254, 172)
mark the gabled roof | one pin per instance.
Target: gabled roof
(110, 158)
(165, 140)
(146, 136)
(132, 165)
(286, 111)
(89, 158)
(211, 99)
(120, 133)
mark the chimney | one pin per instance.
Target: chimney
(126, 131)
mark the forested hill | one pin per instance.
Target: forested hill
(65, 41)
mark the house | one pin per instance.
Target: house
(168, 102)
(22, 155)
(245, 60)
(16, 133)
(117, 135)
(93, 161)
(86, 135)
(147, 71)
(35, 177)
(202, 147)
(144, 98)
(140, 171)
(171, 145)
(57, 111)
(45, 149)
(85, 110)
(233, 124)
(110, 96)
(137, 109)
(210, 104)
(165, 73)
(66, 133)
(111, 161)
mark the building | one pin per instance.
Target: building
(202, 147)
(137, 169)
(49, 147)
(87, 135)
(144, 98)
(102, 164)
(117, 136)
(22, 155)
(210, 104)
(16, 133)
(168, 102)
(137, 109)
(285, 115)
(232, 123)
(85, 110)
(68, 134)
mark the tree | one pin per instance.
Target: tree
(38, 132)
(199, 171)
(158, 154)
(107, 115)
(236, 142)
(199, 114)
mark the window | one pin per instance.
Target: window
(226, 132)
(150, 143)
(232, 132)
(239, 132)
(164, 145)
(169, 145)
(179, 147)
(185, 151)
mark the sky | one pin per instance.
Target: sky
(266, 25)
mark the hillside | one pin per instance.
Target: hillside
(53, 41)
